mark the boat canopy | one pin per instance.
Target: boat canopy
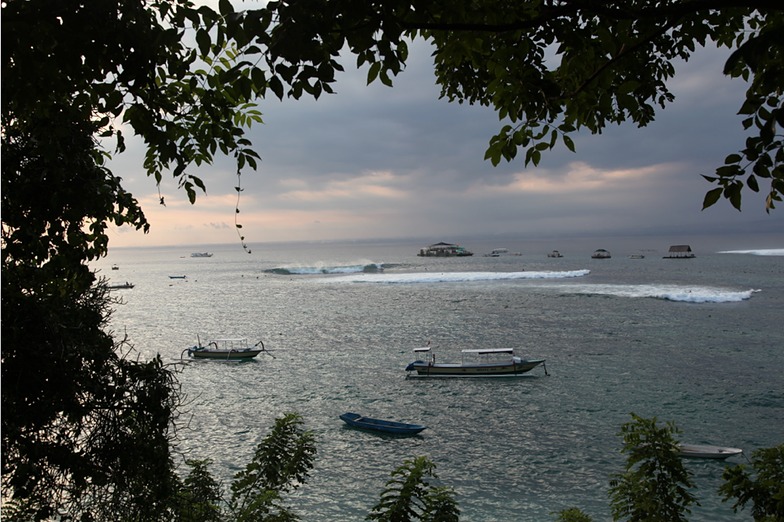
(485, 351)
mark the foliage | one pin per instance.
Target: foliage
(764, 489)
(409, 495)
(281, 463)
(85, 429)
(573, 515)
(550, 68)
(655, 485)
(199, 497)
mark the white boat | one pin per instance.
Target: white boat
(704, 451)
(601, 254)
(482, 362)
(555, 253)
(225, 349)
(201, 254)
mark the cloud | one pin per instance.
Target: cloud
(375, 162)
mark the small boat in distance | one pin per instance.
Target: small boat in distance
(554, 253)
(120, 286)
(601, 254)
(482, 362)
(201, 254)
(178, 277)
(704, 451)
(225, 350)
(497, 252)
(115, 267)
(355, 420)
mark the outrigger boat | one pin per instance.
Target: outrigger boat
(355, 420)
(482, 362)
(225, 349)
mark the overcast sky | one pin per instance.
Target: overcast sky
(378, 162)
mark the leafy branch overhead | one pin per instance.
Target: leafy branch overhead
(551, 68)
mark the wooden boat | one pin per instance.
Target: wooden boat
(225, 350)
(702, 451)
(355, 420)
(120, 286)
(483, 362)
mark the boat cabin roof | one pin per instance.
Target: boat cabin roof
(423, 349)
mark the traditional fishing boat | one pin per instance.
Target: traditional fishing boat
(120, 286)
(481, 362)
(355, 420)
(704, 451)
(225, 350)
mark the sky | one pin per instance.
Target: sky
(373, 162)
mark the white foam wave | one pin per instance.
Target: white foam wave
(685, 294)
(451, 277)
(757, 252)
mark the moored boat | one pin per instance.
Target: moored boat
(120, 286)
(555, 253)
(225, 349)
(444, 250)
(481, 362)
(201, 254)
(705, 451)
(355, 420)
(601, 254)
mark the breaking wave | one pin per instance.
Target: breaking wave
(362, 268)
(451, 277)
(758, 252)
(684, 294)
(557, 281)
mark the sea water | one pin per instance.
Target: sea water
(693, 341)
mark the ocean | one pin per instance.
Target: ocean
(694, 341)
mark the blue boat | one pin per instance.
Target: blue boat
(355, 420)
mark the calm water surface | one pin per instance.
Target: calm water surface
(697, 342)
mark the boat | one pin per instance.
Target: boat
(444, 250)
(497, 252)
(355, 420)
(481, 362)
(178, 277)
(115, 267)
(704, 451)
(120, 286)
(225, 349)
(601, 254)
(680, 252)
(555, 253)
(637, 256)
(201, 254)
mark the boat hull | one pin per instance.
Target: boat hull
(224, 354)
(698, 451)
(510, 369)
(356, 420)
